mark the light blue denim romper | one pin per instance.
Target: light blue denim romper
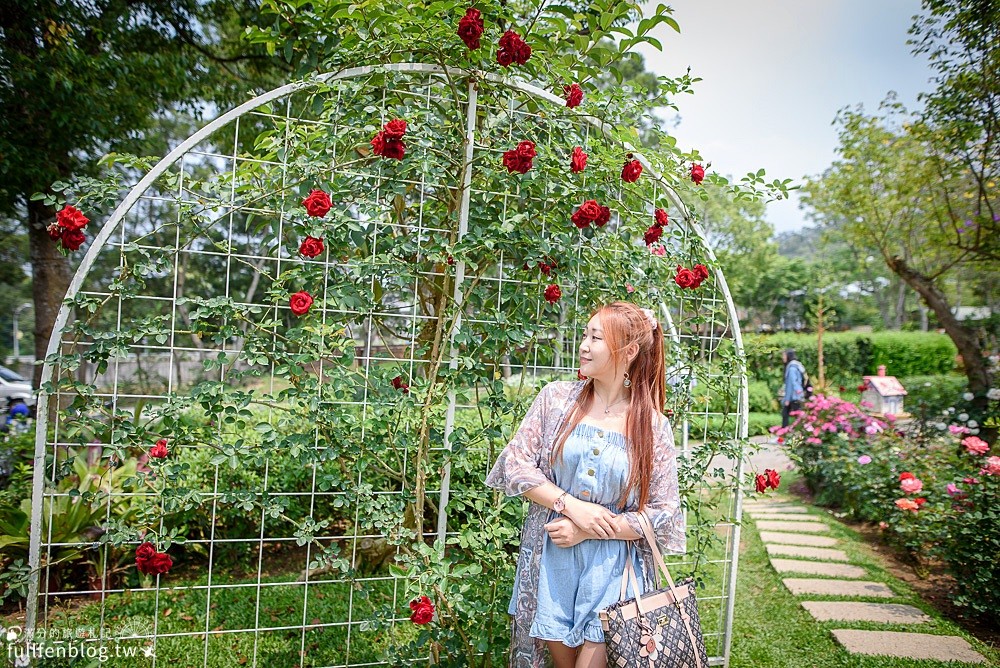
(574, 583)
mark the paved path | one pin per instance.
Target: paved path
(817, 570)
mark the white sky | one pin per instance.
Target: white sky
(775, 72)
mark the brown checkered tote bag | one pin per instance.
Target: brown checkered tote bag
(659, 629)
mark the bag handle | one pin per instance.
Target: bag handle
(647, 532)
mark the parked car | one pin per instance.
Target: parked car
(14, 388)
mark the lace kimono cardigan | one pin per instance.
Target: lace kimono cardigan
(524, 464)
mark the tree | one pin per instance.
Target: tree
(78, 79)
(961, 118)
(883, 193)
(740, 236)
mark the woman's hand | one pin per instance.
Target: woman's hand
(564, 532)
(592, 518)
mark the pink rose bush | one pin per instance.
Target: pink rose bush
(935, 490)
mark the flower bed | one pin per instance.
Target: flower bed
(933, 489)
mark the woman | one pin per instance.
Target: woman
(589, 455)
(794, 386)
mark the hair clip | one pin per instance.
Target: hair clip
(652, 318)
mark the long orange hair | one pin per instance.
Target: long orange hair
(624, 324)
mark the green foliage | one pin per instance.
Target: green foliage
(932, 396)
(15, 460)
(295, 426)
(960, 525)
(849, 355)
(79, 81)
(911, 353)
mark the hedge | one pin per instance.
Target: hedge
(850, 355)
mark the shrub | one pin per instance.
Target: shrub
(930, 396)
(855, 462)
(849, 355)
(762, 398)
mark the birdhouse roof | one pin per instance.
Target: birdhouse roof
(886, 386)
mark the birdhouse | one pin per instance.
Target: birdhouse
(884, 393)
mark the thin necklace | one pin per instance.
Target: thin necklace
(607, 407)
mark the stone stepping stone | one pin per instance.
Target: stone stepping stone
(818, 568)
(907, 645)
(799, 586)
(806, 527)
(797, 539)
(775, 510)
(806, 552)
(782, 517)
(852, 611)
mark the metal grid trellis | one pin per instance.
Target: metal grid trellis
(151, 229)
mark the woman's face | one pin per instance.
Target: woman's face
(595, 356)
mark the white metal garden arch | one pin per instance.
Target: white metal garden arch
(38, 601)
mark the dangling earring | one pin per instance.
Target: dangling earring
(627, 383)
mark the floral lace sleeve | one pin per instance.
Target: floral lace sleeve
(664, 509)
(517, 469)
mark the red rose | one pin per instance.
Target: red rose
(862, 387)
(513, 49)
(419, 601)
(71, 218)
(552, 293)
(631, 171)
(145, 552)
(920, 501)
(470, 28)
(579, 220)
(685, 278)
(159, 564)
(311, 246)
(604, 217)
(761, 484)
(661, 217)
(522, 52)
(72, 239)
(514, 162)
(773, 479)
(574, 95)
(395, 129)
(394, 149)
(526, 149)
(546, 268)
(55, 232)
(701, 271)
(578, 162)
(451, 260)
(159, 451)
(300, 302)
(906, 475)
(378, 143)
(652, 235)
(423, 610)
(697, 173)
(590, 209)
(317, 204)
(398, 384)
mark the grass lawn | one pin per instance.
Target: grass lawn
(771, 629)
(233, 613)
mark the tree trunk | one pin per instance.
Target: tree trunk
(901, 305)
(964, 338)
(50, 277)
